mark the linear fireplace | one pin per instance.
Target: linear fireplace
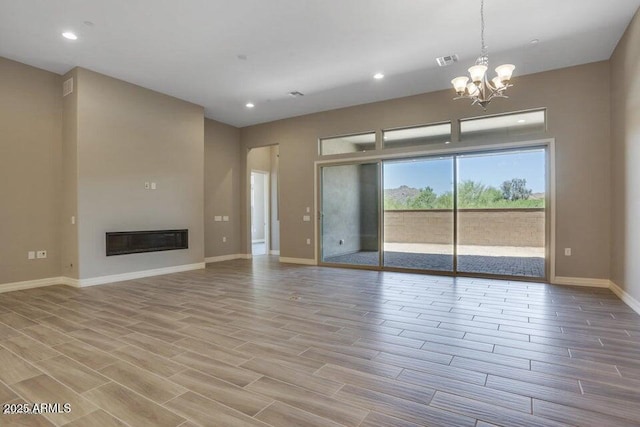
(133, 242)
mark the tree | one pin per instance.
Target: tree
(444, 201)
(516, 189)
(425, 200)
(473, 194)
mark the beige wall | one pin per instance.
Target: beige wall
(221, 188)
(577, 102)
(128, 135)
(260, 159)
(30, 168)
(625, 144)
(69, 194)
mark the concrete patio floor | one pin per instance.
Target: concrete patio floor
(495, 260)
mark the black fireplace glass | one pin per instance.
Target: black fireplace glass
(133, 242)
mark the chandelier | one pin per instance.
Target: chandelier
(480, 90)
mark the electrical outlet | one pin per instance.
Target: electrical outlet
(225, 218)
(306, 218)
(567, 251)
(224, 240)
(41, 254)
(308, 241)
(31, 255)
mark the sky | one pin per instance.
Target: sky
(488, 169)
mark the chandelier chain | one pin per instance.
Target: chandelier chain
(484, 46)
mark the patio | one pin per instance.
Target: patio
(494, 260)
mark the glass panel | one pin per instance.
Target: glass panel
(504, 125)
(418, 214)
(501, 213)
(350, 200)
(348, 144)
(419, 135)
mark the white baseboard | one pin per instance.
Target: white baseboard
(134, 275)
(274, 253)
(303, 261)
(625, 297)
(69, 281)
(224, 258)
(581, 281)
(30, 284)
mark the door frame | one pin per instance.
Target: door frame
(550, 203)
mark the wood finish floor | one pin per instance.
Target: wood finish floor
(261, 343)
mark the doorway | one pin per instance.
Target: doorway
(259, 212)
(263, 200)
(477, 213)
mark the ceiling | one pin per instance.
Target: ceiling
(222, 54)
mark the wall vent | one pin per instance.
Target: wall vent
(443, 61)
(296, 94)
(67, 87)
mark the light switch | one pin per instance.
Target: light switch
(217, 218)
(308, 209)
(306, 218)
(153, 186)
(73, 220)
(308, 241)
(225, 218)
(31, 255)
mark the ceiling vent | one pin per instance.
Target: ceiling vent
(67, 87)
(443, 61)
(296, 94)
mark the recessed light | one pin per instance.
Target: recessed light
(378, 76)
(534, 41)
(69, 35)
(447, 142)
(521, 121)
(249, 105)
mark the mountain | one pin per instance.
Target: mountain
(401, 194)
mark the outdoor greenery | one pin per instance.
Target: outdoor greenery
(471, 195)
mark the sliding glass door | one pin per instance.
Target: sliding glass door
(501, 213)
(481, 214)
(350, 197)
(418, 214)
